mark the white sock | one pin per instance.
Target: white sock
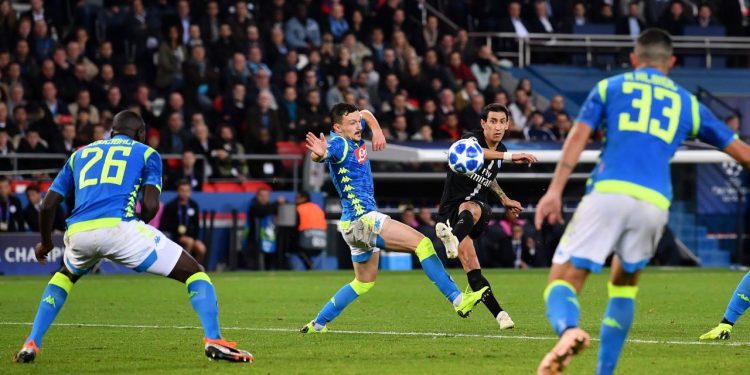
(318, 327)
(458, 300)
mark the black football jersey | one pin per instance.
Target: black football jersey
(460, 188)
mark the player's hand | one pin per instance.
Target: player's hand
(524, 158)
(549, 208)
(41, 251)
(317, 146)
(514, 206)
(378, 141)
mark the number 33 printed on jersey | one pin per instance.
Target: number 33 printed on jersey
(645, 121)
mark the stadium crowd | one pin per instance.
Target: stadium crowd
(223, 78)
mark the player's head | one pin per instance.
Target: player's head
(346, 121)
(130, 124)
(653, 48)
(495, 121)
(303, 197)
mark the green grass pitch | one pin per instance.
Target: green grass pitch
(137, 324)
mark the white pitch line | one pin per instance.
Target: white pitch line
(385, 333)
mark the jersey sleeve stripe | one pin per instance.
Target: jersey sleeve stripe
(72, 157)
(346, 151)
(696, 115)
(148, 153)
(603, 84)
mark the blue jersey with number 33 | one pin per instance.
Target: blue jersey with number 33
(648, 117)
(105, 177)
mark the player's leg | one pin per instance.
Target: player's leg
(398, 236)
(53, 299)
(365, 273)
(167, 258)
(469, 213)
(470, 262)
(618, 317)
(587, 242)
(737, 306)
(79, 256)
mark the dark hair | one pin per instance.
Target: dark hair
(127, 120)
(4, 179)
(304, 195)
(655, 44)
(340, 110)
(32, 187)
(184, 181)
(494, 107)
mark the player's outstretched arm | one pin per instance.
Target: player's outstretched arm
(316, 146)
(378, 139)
(150, 204)
(549, 207)
(740, 151)
(46, 222)
(515, 158)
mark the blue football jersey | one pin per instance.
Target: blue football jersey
(350, 171)
(648, 117)
(105, 178)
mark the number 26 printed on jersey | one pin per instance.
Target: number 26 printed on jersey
(646, 122)
(94, 154)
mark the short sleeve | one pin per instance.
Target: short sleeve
(592, 109)
(64, 182)
(337, 149)
(152, 171)
(712, 130)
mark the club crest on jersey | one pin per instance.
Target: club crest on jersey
(361, 154)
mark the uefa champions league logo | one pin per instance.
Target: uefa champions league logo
(731, 169)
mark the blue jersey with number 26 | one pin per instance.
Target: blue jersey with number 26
(648, 117)
(105, 177)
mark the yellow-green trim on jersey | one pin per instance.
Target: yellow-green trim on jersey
(634, 190)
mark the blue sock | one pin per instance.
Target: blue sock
(740, 300)
(562, 306)
(203, 298)
(435, 271)
(346, 295)
(615, 326)
(53, 299)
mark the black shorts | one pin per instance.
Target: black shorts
(451, 213)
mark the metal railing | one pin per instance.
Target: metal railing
(592, 44)
(52, 157)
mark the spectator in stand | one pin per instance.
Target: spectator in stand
(101, 84)
(241, 20)
(228, 167)
(74, 52)
(302, 33)
(172, 54)
(311, 228)
(424, 134)
(313, 117)
(520, 110)
(524, 248)
(450, 130)
(337, 24)
(430, 34)
(32, 143)
(336, 94)
(5, 121)
(541, 22)
(44, 45)
(189, 171)
(513, 23)
(537, 100)
(31, 212)
(447, 102)
(210, 23)
(11, 211)
(114, 103)
(399, 129)
(429, 115)
(408, 217)
(83, 101)
(180, 222)
(235, 106)
(471, 116)
(378, 45)
(357, 49)
(562, 126)
(361, 28)
(201, 80)
(461, 73)
(705, 17)
(536, 130)
(6, 148)
(400, 107)
(262, 80)
(255, 60)
(556, 106)
(203, 143)
(237, 72)
(342, 65)
(390, 89)
(632, 24)
(51, 105)
(368, 68)
(20, 125)
(66, 143)
(484, 66)
(277, 47)
(463, 96)
(289, 111)
(675, 19)
(494, 86)
(579, 18)
(403, 49)
(174, 137)
(262, 117)
(16, 98)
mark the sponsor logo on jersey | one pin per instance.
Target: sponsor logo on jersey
(361, 154)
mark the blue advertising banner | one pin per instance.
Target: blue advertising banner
(716, 187)
(17, 256)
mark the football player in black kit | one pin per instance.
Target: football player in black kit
(464, 202)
